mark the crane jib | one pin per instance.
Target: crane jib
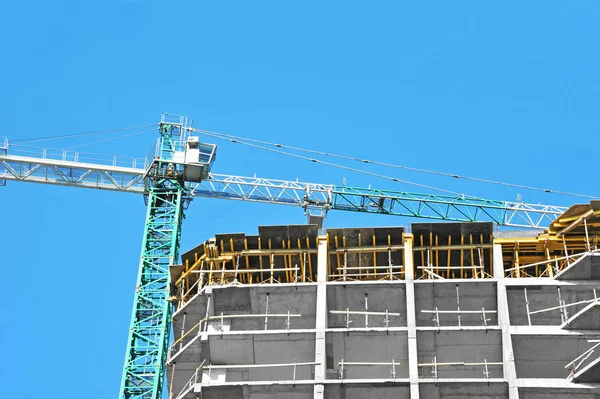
(129, 175)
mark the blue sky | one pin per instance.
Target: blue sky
(498, 90)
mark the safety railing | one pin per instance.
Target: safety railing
(482, 312)
(203, 373)
(185, 339)
(575, 365)
(435, 366)
(562, 305)
(385, 316)
(3, 145)
(189, 385)
(174, 119)
(343, 365)
(74, 156)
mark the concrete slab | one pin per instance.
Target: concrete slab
(545, 393)
(533, 384)
(366, 391)
(459, 390)
(543, 281)
(562, 388)
(587, 318)
(257, 392)
(553, 331)
(585, 268)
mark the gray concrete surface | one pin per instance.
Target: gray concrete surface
(533, 356)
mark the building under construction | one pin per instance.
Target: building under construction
(440, 310)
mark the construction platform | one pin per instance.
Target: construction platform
(447, 310)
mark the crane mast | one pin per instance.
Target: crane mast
(147, 344)
(179, 170)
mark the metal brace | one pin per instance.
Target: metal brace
(347, 318)
(484, 320)
(486, 372)
(287, 326)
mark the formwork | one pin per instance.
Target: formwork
(431, 310)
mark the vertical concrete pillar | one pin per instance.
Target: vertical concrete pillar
(321, 319)
(411, 319)
(509, 371)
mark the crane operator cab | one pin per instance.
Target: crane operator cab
(186, 160)
(197, 159)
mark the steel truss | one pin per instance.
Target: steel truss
(397, 203)
(433, 206)
(147, 345)
(110, 175)
(70, 168)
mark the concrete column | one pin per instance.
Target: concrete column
(321, 319)
(510, 373)
(411, 319)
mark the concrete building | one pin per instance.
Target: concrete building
(447, 310)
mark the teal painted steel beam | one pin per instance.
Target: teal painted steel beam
(443, 207)
(431, 206)
(385, 202)
(147, 344)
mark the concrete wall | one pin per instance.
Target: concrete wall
(543, 356)
(379, 297)
(544, 297)
(472, 296)
(368, 347)
(460, 346)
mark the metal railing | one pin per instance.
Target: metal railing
(3, 145)
(74, 156)
(576, 363)
(343, 365)
(294, 366)
(485, 365)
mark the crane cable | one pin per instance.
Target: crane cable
(110, 139)
(222, 137)
(48, 138)
(409, 168)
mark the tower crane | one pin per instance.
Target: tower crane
(180, 169)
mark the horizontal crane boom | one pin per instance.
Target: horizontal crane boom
(69, 168)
